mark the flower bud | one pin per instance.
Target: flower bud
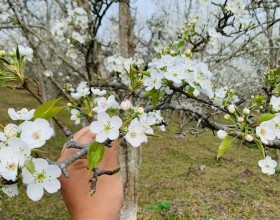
(12, 54)
(231, 108)
(246, 111)
(221, 134)
(240, 119)
(188, 53)
(172, 52)
(69, 104)
(126, 104)
(227, 117)
(140, 110)
(249, 138)
(183, 55)
(2, 53)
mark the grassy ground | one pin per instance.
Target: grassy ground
(179, 179)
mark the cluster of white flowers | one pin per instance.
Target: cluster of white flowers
(111, 126)
(237, 7)
(214, 44)
(117, 63)
(179, 71)
(16, 144)
(4, 16)
(73, 27)
(83, 90)
(269, 130)
(222, 97)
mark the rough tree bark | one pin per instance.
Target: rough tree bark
(129, 156)
(125, 29)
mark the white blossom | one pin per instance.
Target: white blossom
(154, 80)
(276, 122)
(23, 114)
(266, 131)
(168, 91)
(275, 102)
(12, 158)
(175, 74)
(81, 90)
(76, 116)
(10, 130)
(44, 177)
(268, 165)
(98, 92)
(11, 190)
(106, 127)
(103, 104)
(35, 134)
(135, 135)
(164, 61)
(214, 44)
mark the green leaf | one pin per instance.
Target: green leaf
(155, 98)
(29, 166)
(95, 154)
(224, 146)
(260, 146)
(150, 93)
(145, 73)
(56, 110)
(181, 44)
(48, 109)
(17, 54)
(266, 117)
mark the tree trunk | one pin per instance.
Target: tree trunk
(129, 164)
(125, 29)
(129, 156)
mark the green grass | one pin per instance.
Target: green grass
(179, 179)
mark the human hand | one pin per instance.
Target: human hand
(106, 201)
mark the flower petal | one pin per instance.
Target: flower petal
(101, 137)
(35, 191)
(53, 170)
(116, 122)
(52, 185)
(113, 134)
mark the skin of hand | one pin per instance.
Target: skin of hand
(106, 202)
